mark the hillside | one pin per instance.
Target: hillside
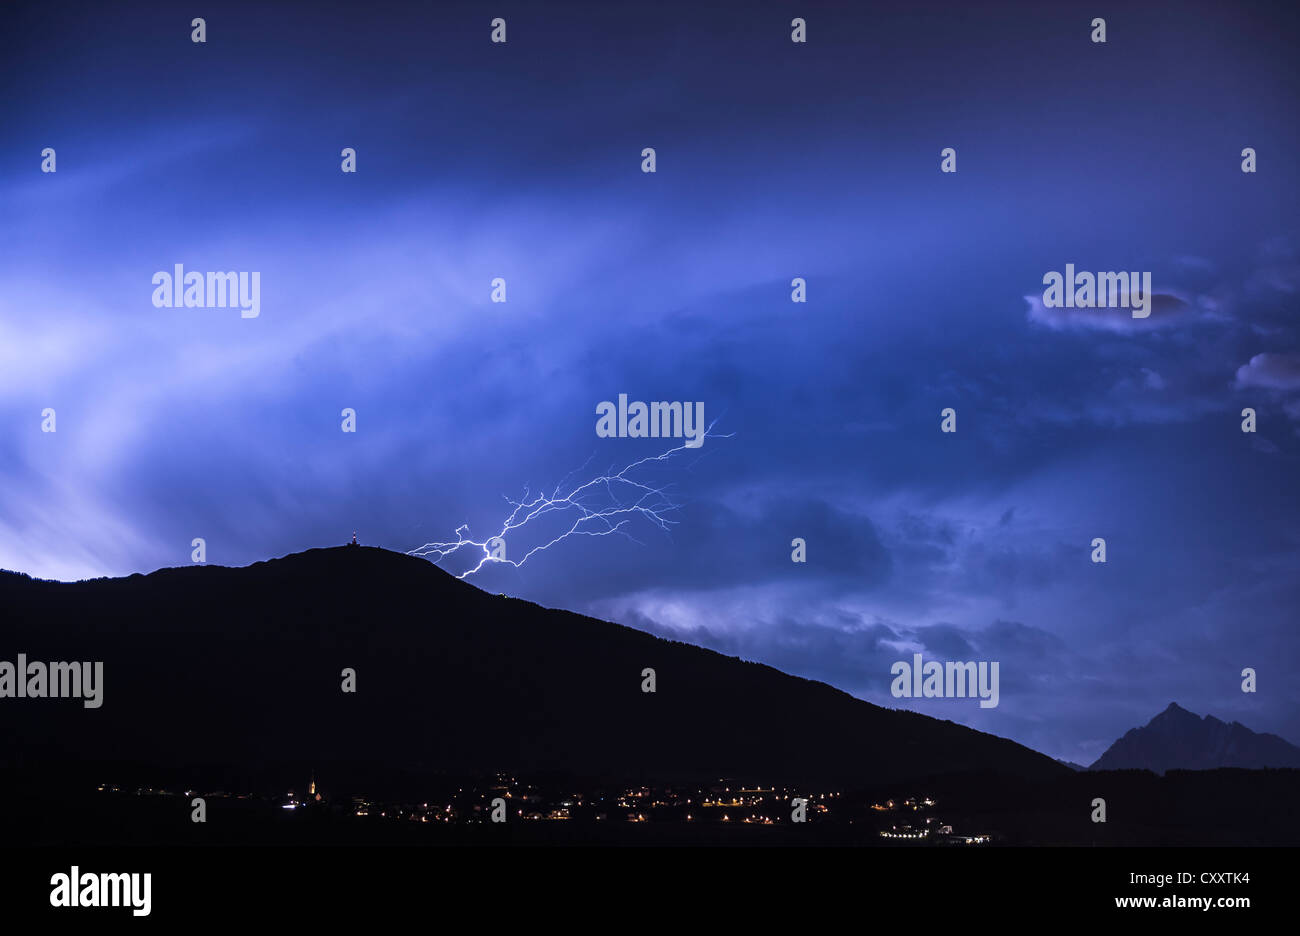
(234, 673)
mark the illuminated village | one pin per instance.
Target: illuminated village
(908, 820)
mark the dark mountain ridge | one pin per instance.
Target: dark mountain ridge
(235, 673)
(1177, 739)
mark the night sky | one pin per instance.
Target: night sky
(775, 160)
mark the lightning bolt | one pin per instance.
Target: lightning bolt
(602, 506)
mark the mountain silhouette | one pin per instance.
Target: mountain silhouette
(233, 675)
(1176, 739)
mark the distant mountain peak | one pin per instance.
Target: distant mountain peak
(1174, 711)
(1177, 739)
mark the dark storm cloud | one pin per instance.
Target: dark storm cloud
(945, 641)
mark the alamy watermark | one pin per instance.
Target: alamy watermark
(935, 680)
(1104, 290)
(208, 291)
(77, 889)
(36, 680)
(663, 420)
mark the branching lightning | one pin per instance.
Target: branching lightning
(602, 506)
